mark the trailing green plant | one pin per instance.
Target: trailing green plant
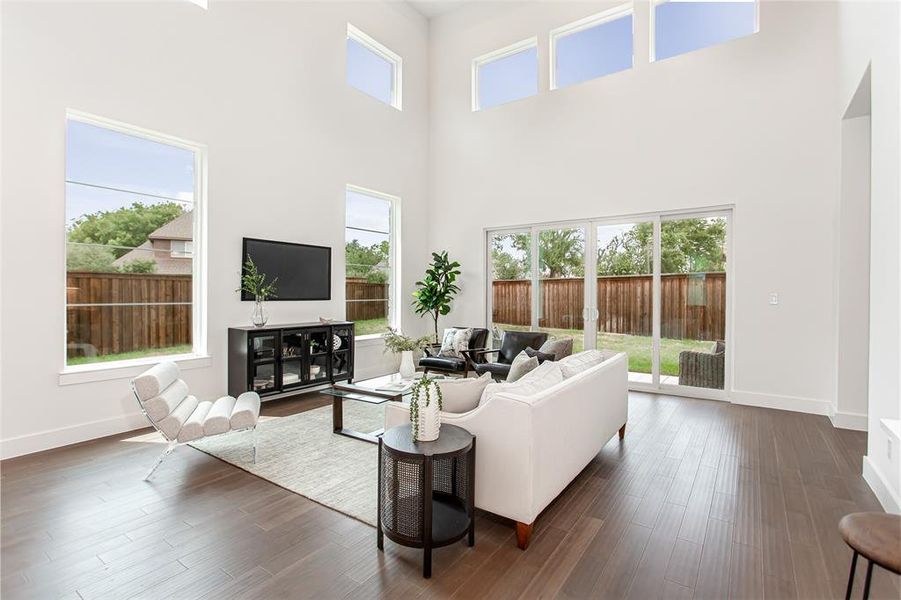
(437, 289)
(397, 342)
(254, 283)
(425, 383)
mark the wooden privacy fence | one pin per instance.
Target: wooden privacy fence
(109, 313)
(365, 300)
(693, 305)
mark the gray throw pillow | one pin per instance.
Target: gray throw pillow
(559, 348)
(541, 356)
(522, 364)
(454, 342)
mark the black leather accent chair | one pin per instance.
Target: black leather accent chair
(453, 364)
(512, 344)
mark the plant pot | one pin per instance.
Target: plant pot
(428, 416)
(407, 368)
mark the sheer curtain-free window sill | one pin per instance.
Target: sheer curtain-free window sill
(127, 369)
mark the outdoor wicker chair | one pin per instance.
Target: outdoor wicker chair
(703, 369)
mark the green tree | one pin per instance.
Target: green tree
(687, 246)
(98, 259)
(139, 265)
(127, 227)
(561, 253)
(369, 262)
(510, 265)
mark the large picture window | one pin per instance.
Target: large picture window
(132, 223)
(371, 263)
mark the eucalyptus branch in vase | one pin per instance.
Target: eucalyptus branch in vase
(254, 283)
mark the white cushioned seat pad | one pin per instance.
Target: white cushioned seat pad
(546, 375)
(161, 405)
(155, 379)
(462, 395)
(193, 427)
(171, 424)
(217, 420)
(246, 411)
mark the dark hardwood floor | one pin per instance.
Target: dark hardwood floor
(702, 499)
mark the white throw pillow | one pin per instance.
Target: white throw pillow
(547, 374)
(522, 364)
(462, 395)
(576, 363)
(455, 341)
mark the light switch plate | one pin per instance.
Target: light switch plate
(774, 298)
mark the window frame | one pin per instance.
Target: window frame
(498, 54)
(356, 34)
(394, 254)
(652, 28)
(198, 357)
(588, 22)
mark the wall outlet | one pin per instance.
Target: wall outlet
(774, 298)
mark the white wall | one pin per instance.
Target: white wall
(262, 85)
(853, 277)
(869, 35)
(754, 122)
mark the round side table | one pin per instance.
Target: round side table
(426, 490)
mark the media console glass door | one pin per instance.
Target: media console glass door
(264, 366)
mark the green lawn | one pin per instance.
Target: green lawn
(83, 360)
(637, 347)
(371, 326)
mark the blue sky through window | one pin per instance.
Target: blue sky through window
(509, 78)
(102, 157)
(681, 26)
(594, 52)
(365, 212)
(369, 72)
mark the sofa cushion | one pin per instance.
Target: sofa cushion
(154, 380)
(443, 363)
(246, 412)
(576, 363)
(559, 348)
(193, 427)
(546, 375)
(161, 405)
(462, 395)
(522, 364)
(171, 424)
(218, 420)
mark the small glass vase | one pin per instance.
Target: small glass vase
(259, 316)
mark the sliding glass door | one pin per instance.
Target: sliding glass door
(653, 287)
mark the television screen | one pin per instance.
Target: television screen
(304, 272)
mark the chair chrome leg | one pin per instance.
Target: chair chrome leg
(254, 434)
(159, 460)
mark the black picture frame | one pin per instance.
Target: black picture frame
(245, 297)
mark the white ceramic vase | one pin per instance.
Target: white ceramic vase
(429, 416)
(407, 368)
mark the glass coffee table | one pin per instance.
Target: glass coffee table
(378, 390)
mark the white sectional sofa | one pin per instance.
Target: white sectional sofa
(531, 447)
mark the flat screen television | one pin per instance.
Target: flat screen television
(304, 272)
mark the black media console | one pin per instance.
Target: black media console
(282, 358)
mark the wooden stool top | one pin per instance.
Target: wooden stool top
(877, 536)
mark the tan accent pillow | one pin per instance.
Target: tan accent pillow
(462, 395)
(522, 364)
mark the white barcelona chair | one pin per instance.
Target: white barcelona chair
(181, 418)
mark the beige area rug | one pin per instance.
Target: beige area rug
(301, 453)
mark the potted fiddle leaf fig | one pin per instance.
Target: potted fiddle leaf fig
(436, 291)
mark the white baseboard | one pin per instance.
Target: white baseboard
(849, 420)
(878, 483)
(64, 436)
(793, 403)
